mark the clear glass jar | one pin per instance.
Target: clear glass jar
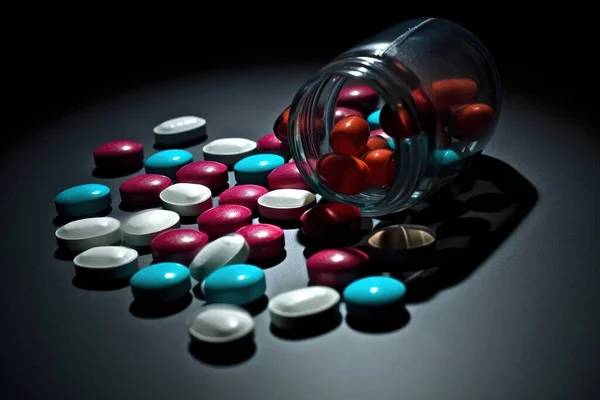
(440, 87)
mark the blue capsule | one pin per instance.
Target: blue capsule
(373, 120)
(83, 200)
(168, 162)
(237, 284)
(161, 283)
(371, 295)
(255, 169)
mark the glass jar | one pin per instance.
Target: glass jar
(437, 93)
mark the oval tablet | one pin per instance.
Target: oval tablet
(445, 157)
(186, 199)
(286, 177)
(237, 284)
(270, 144)
(180, 130)
(161, 283)
(143, 190)
(362, 98)
(224, 219)
(83, 200)
(243, 195)
(228, 151)
(142, 227)
(373, 119)
(221, 323)
(343, 112)
(178, 245)
(336, 267)
(86, 233)
(265, 240)
(292, 309)
(330, 220)
(369, 296)
(226, 250)
(119, 154)
(211, 174)
(286, 204)
(255, 169)
(168, 162)
(107, 263)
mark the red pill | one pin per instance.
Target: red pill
(280, 127)
(471, 122)
(336, 267)
(376, 161)
(224, 219)
(343, 112)
(390, 169)
(375, 142)
(448, 93)
(243, 195)
(143, 190)
(286, 177)
(343, 174)
(424, 106)
(177, 245)
(265, 240)
(361, 98)
(211, 174)
(398, 124)
(270, 144)
(119, 154)
(349, 135)
(329, 220)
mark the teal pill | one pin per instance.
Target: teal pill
(391, 143)
(373, 120)
(83, 200)
(161, 283)
(372, 295)
(445, 157)
(255, 169)
(237, 284)
(168, 162)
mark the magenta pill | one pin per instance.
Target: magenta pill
(243, 195)
(380, 132)
(286, 177)
(143, 190)
(270, 144)
(336, 267)
(224, 219)
(343, 112)
(177, 245)
(265, 240)
(119, 154)
(361, 98)
(211, 174)
(331, 221)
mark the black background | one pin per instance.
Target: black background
(523, 327)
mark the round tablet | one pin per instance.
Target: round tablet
(107, 263)
(255, 169)
(86, 233)
(224, 219)
(228, 151)
(186, 199)
(243, 195)
(270, 144)
(285, 204)
(161, 283)
(343, 112)
(226, 250)
(336, 267)
(265, 240)
(373, 119)
(286, 177)
(330, 220)
(178, 245)
(237, 284)
(370, 296)
(298, 307)
(221, 324)
(401, 243)
(362, 98)
(83, 200)
(119, 154)
(142, 227)
(143, 190)
(180, 130)
(168, 162)
(211, 174)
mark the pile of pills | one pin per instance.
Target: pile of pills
(223, 253)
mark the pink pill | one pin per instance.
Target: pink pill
(177, 245)
(243, 195)
(211, 174)
(265, 240)
(224, 219)
(270, 144)
(119, 154)
(286, 177)
(343, 112)
(143, 190)
(361, 98)
(380, 132)
(336, 267)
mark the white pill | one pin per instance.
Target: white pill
(228, 151)
(107, 262)
(226, 250)
(186, 199)
(291, 309)
(220, 324)
(141, 228)
(180, 130)
(285, 204)
(86, 233)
